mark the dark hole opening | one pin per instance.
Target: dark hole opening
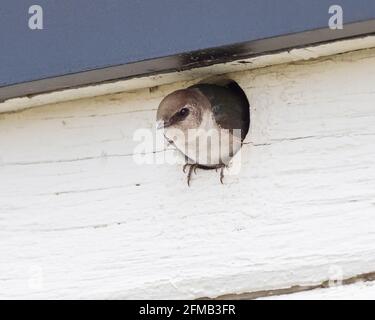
(236, 88)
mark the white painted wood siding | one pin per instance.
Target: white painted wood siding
(80, 219)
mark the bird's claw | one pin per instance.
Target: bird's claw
(194, 166)
(222, 174)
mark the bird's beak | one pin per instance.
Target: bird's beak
(161, 124)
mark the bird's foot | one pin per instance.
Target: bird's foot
(222, 174)
(192, 167)
(222, 168)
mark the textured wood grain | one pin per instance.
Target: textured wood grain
(79, 218)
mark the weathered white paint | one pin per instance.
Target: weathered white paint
(128, 85)
(80, 219)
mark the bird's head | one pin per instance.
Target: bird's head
(182, 110)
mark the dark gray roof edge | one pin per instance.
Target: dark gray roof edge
(187, 61)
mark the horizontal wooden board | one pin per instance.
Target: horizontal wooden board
(79, 218)
(240, 64)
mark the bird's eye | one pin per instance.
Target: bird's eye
(184, 112)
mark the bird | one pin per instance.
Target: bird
(207, 123)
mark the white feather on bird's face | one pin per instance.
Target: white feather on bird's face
(182, 109)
